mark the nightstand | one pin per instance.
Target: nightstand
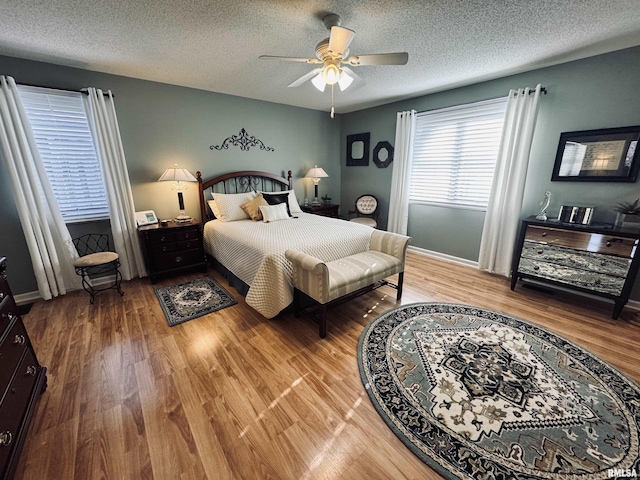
(326, 210)
(173, 248)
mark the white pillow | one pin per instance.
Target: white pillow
(294, 206)
(214, 208)
(273, 213)
(229, 205)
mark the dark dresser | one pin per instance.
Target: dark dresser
(22, 379)
(601, 260)
(172, 248)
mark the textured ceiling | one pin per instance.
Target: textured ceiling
(214, 45)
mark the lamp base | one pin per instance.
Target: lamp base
(316, 201)
(183, 218)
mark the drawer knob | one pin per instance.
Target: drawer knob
(1, 295)
(187, 235)
(178, 259)
(31, 370)
(19, 340)
(163, 238)
(536, 268)
(6, 438)
(544, 234)
(164, 248)
(10, 317)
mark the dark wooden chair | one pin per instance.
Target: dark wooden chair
(96, 260)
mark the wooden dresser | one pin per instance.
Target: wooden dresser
(22, 379)
(173, 248)
(600, 260)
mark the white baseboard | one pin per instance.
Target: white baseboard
(29, 297)
(444, 256)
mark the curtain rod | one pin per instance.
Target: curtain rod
(543, 90)
(83, 91)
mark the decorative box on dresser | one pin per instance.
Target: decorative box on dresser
(601, 260)
(172, 248)
(22, 379)
(326, 210)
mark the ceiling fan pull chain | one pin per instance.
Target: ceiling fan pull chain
(333, 111)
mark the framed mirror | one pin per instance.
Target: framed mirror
(358, 150)
(606, 155)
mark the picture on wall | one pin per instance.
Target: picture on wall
(605, 155)
(358, 149)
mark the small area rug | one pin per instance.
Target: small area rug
(193, 299)
(481, 395)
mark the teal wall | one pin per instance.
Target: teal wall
(163, 124)
(597, 92)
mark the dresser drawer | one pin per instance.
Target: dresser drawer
(188, 234)
(593, 262)
(13, 405)
(160, 237)
(8, 311)
(159, 249)
(11, 350)
(180, 258)
(594, 281)
(590, 242)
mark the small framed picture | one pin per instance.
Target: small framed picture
(146, 218)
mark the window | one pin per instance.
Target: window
(454, 154)
(65, 143)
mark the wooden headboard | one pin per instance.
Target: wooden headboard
(239, 182)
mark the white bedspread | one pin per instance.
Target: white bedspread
(254, 252)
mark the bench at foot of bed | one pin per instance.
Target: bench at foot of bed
(332, 282)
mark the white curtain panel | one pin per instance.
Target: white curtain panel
(505, 204)
(400, 177)
(101, 113)
(48, 239)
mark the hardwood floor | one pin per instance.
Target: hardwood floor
(233, 395)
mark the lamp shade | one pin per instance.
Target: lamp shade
(176, 174)
(316, 172)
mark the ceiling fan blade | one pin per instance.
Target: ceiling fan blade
(339, 40)
(400, 58)
(305, 77)
(289, 59)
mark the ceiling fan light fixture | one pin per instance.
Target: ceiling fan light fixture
(344, 81)
(319, 82)
(331, 74)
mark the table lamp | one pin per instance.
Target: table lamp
(179, 176)
(316, 174)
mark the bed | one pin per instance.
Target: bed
(251, 253)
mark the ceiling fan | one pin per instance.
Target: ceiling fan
(333, 55)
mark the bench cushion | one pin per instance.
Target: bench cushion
(346, 275)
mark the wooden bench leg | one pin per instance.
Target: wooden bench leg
(400, 282)
(296, 303)
(322, 320)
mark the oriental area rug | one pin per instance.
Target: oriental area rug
(193, 299)
(481, 395)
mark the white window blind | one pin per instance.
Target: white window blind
(454, 154)
(61, 129)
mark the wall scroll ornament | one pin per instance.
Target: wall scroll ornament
(383, 154)
(242, 140)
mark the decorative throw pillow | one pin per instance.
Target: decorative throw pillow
(294, 206)
(277, 198)
(229, 205)
(214, 208)
(252, 207)
(273, 213)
